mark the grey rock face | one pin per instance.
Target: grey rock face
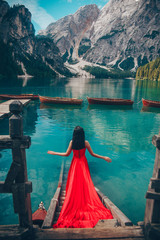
(17, 31)
(68, 32)
(124, 34)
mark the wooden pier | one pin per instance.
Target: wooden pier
(18, 185)
(4, 107)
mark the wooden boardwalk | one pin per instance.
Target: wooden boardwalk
(118, 228)
(4, 106)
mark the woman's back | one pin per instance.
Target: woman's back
(79, 153)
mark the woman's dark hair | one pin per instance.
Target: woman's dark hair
(78, 140)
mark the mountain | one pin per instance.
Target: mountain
(149, 71)
(125, 34)
(22, 53)
(68, 32)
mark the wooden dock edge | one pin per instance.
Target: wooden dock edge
(116, 212)
(116, 233)
(48, 221)
(15, 232)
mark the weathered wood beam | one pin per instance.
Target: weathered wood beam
(19, 194)
(134, 232)
(61, 175)
(14, 232)
(156, 141)
(153, 195)
(12, 173)
(155, 183)
(116, 212)
(6, 142)
(48, 221)
(3, 189)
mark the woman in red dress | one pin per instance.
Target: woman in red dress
(82, 207)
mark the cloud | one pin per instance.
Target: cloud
(39, 14)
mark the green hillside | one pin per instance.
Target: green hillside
(150, 71)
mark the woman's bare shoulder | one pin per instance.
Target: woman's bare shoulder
(86, 143)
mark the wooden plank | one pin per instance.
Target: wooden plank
(116, 212)
(155, 231)
(6, 142)
(48, 221)
(15, 232)
(152, 195)
(155, 183)
(156, 141)
(89, 233)
(28, 187)
(61, 175)
(19, 202)
(12, 173)
(109, 223)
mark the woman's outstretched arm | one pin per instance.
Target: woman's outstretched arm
(87, 145)
(67, 153)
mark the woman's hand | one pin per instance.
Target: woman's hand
(107, 159)
(50, 152)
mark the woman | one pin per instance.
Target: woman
(82, 207)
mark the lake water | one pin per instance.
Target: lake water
(123, 134)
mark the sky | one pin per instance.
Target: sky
(45, 12)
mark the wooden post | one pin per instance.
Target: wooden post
(21, 198)
(152, 211)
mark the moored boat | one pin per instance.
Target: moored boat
(20, 96)
(109, 101)
(39, 215)
(60, 100)
(150, 103)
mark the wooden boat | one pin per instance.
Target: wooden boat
(150, 103)
(20, 96)
(119, 218)
(109, 101)
(39, 215)
(59, 100)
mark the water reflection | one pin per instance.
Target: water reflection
(148, 90)
(59, 106)
(30, 117)
(110, 107)
(150, 109)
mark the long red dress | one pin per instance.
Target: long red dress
(82, 207)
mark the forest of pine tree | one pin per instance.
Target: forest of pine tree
(150, 71)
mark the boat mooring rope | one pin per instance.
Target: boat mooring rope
(138, 102)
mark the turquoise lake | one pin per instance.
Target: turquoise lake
(123, 134)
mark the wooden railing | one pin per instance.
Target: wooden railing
(16, 181)
(152, 211)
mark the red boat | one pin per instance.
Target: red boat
(109, 101)
(39, 215)
(150, 103)
(21, 96)
(59, 100)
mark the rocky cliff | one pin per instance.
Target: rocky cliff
(124, 34)
(35, 56)
(68, 32)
